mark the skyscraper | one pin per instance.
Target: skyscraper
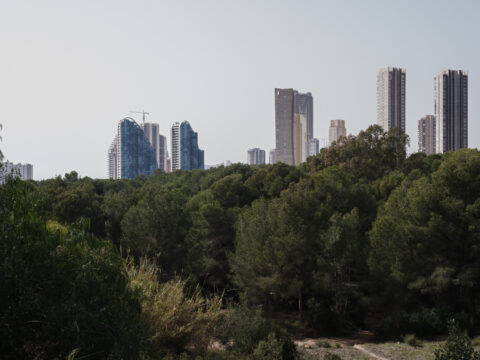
(191, 157)
(152, 133)
(303, 104)
(391, 98)
(9, 169)
(130, 153)
(451, 110)
(175, 146)
(293, 125)
(336, 130)
(256, 156)
(426, 134)
(271, 157)
(112, 159)
(163, 152)
(313, 147)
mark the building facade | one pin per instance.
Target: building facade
(427, 134)
(191, 156)
(113, 159)
(293, 125)
(391, 86)
(152, 132)
(313, 147)
(175, 146)
(451, 110)
(256, 156)
(130, 154)
(9, 169)
(337, 129)
(162, 153)
(271, 157)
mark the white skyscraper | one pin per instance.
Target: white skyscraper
(113, 159)
(22, 171)
(256, 156)
(451, 110)
(313, 147)
(175, 146)
(271, 157)
(391, 98)
(336, 130)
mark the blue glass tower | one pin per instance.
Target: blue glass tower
(137, 156)
(191, 157)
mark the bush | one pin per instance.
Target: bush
(176, 321)
(331, 356)
(61, 288)
(245, 331)
(457, 347)
(323, 343)
(412, 340)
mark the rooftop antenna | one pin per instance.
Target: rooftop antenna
(143, 112)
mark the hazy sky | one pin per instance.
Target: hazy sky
(70, 70)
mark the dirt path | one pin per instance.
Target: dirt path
(369, 353)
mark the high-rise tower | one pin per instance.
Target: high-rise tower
(152, 133)
(293, 125)
(191, 157)
(451, 110)
(175, 146)
(256, 156)
(336, 130)
(131, 153)
(391, 98)
(426, 134)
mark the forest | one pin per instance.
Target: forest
(361, 236)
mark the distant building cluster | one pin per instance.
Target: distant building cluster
(22, 171)
(447, 129)
(256, 156)
(141, 149)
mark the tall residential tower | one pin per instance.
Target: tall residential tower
(293, 125)
(336, 130)
(451, 110)
(256, 156)
(391, 98)
(426, 134)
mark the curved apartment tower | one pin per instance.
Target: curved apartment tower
(131, 153)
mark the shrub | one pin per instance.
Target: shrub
(412, 340)
(331, 356)
(60, 288)
(176, 321)
(323, 343)
(457, 347)
(245, 331)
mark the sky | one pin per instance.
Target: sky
(70, 70)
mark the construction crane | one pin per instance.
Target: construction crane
(143, 112)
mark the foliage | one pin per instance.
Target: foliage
(323, 343)
(331, 356)
(275, 348)
(412, 340)
(56, 286)
(457, 347)
(176, 321)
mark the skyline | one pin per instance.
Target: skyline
(71, 72)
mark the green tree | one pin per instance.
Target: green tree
(426, 240)
(457, 347)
